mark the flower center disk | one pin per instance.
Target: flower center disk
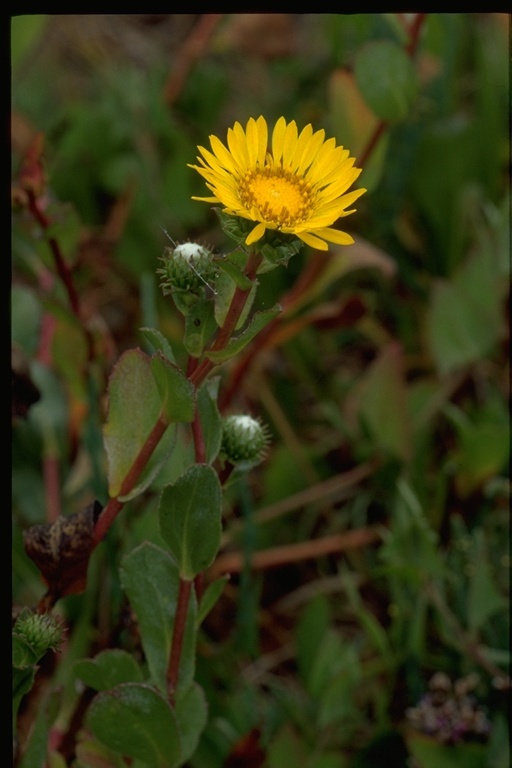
(279, 196)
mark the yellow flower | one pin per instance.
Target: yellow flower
(299, 187)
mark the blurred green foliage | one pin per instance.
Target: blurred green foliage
(395, 354)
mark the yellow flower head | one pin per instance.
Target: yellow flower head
(299, 187)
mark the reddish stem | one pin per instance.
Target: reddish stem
(62, 268)
(414, 33)
(309, 274)
(197, 375)
(199, 446)
(372, 142)
(410, 49)
(199, 585)
(235, 310)
(189, 54)
(180, 622)
(114, 505)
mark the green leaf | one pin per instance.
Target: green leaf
(383, 399)
(22, 679)
(311, 629)
(150, 578)
(210, 596)
(336, 697)
(225, 288)
(200, 325)
(234, 226)
(286, 748)
(484, 445)
(484, 600)
(326, 663)
(354, 123)
(35, 748)
(135, 720)
(91, 753)
(26, 315)
(69, 354)
(410, 548)
(65, 228)
(387, 79)
(258, 322)
(465, 318)
(235, 272)
(108, 669)
(190, 519)
(192, 713)
(209, 416)
(134, 407)
(373, 628)
(278, 248)
(158, 342)
(328, 760)
(23, 654)
(176, 392)
(26, 30)
(498, 750)
(431, 754)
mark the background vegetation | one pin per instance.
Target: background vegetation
(378, 526)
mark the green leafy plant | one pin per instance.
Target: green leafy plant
(264, 485)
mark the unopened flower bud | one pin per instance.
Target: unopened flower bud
(244, 440)
(41, 632)
(189, 267)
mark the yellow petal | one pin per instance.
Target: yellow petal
(313, 241)
(255, 234)
(206, 199)
(335, 236)
(289, 143)
(302, 143)
(262, 140)
(311, 151)
(278, 139)
(251, 133)
(226, 159)
(238, 145)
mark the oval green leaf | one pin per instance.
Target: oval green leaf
(190, 519)
(176, 392)
(149, 577)
(108, 669)
(134, 407)
(192, 714)
(136, 721)
(387, 79)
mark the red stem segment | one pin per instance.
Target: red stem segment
(412, 44)
(114, 505)
(414, 33)
(235, 310)
(62, 268)
(180, 622)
